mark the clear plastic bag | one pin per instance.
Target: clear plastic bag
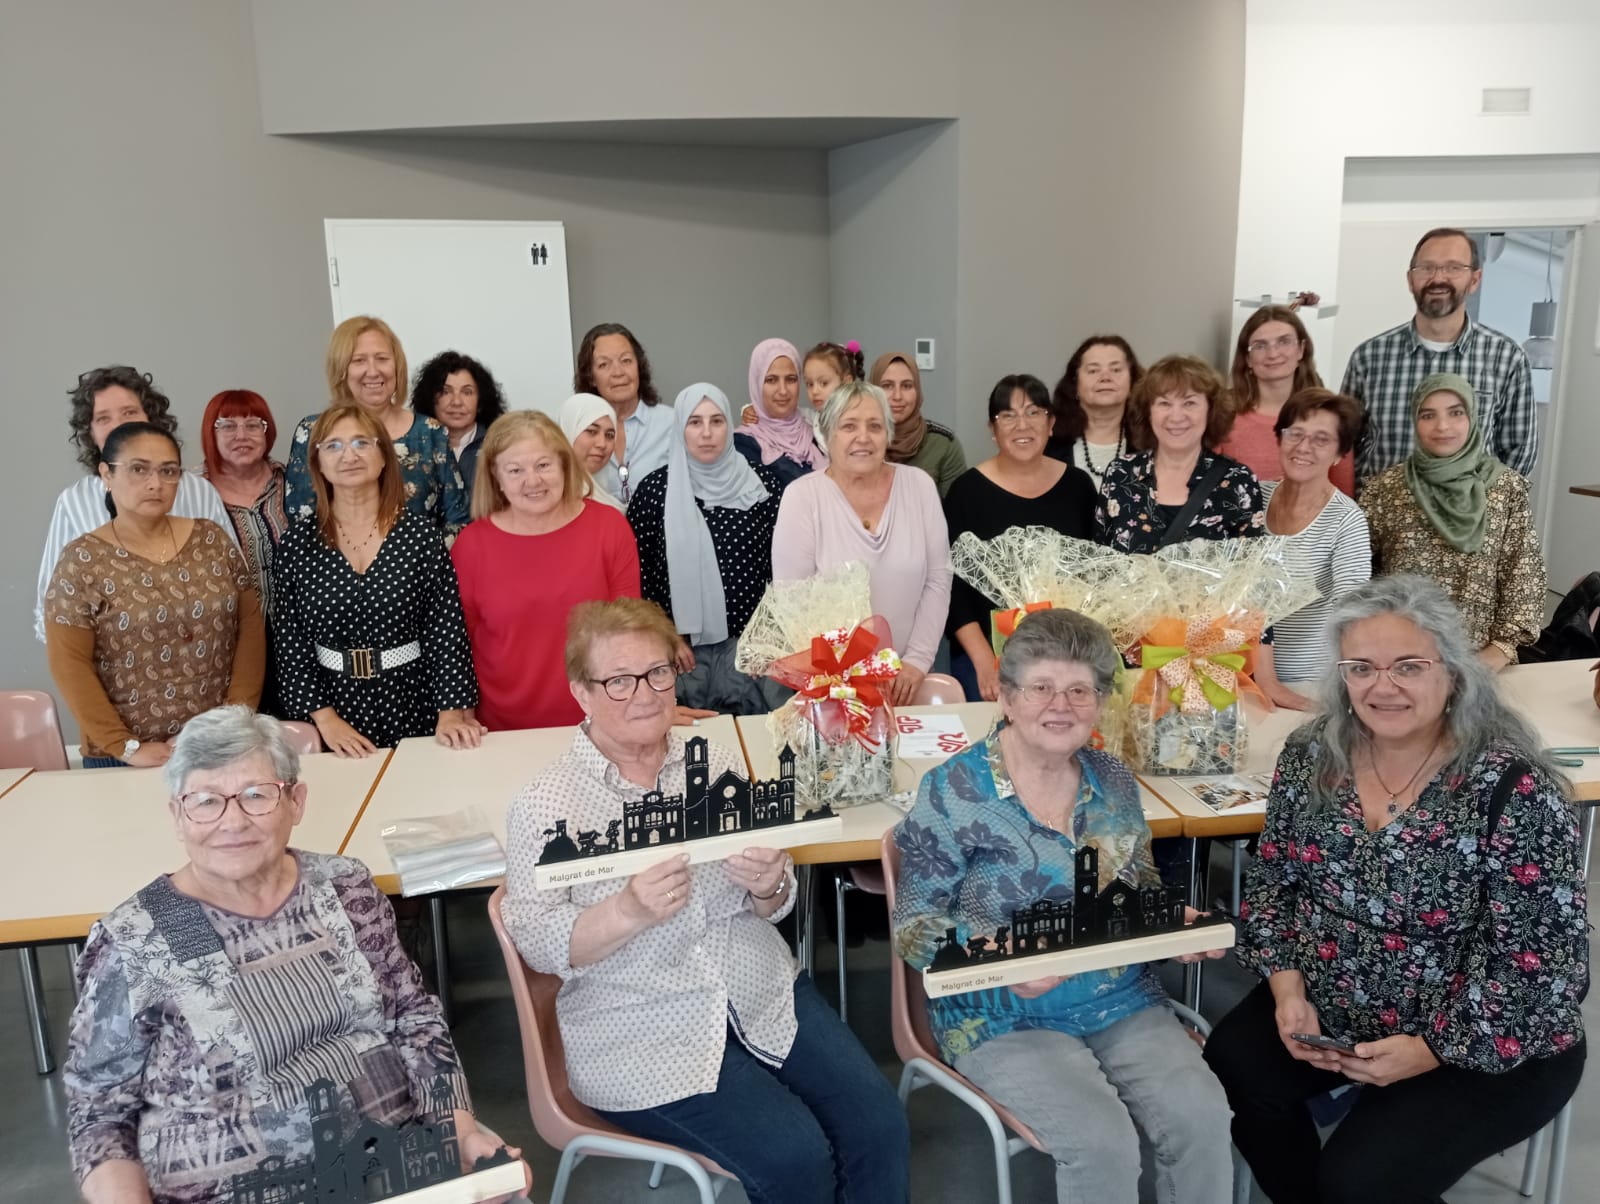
(443, 852)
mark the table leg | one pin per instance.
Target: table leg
(1586, 827)
(74, 952)
(1238, 875)
(805, 935)
(441, 953)
(1197, 895)
(38, 1019)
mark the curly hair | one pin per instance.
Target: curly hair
(849, 362)
(430, 383)
(1177, 374)
(157, 409)
(1070, 418)
(583, 376)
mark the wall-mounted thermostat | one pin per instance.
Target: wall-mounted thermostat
(925, 355)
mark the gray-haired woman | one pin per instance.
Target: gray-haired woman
(1082, 1060)
(1418, 901)
(888, 516)
(215, 997)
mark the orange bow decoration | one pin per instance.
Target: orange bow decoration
(1200, 663)
(841, 684)
(1004, 623)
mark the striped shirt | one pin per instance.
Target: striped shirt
(1385, 370)
(1334, 553)
(82, 507)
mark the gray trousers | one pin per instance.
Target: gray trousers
(1084, 1097)
(715, 685)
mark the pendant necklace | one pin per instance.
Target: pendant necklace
(1394, 795)
(1099, 473)
(171, 539)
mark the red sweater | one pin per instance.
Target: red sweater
(516, 591)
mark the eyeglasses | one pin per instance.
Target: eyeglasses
(1028, 414)
(1321, 440)
(140, 471)
(1403, 673)
(361, 445)
(230, 426)
(1284, 342)
(1427, 271)
(625, 685)
(1041, 694)
(204, 807)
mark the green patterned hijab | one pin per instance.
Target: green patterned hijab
(1452, 491)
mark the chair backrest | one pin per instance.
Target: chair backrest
(30, 732)
(939, 689)
(303, 737)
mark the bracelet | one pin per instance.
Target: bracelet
(783, 885)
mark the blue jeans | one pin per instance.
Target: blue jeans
(104, 763)
(824, 1128)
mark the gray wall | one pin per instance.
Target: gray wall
(148, 219)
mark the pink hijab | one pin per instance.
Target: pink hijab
(794, 436)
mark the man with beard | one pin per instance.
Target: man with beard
(1385, 370)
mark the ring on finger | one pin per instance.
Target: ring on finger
(671, 895)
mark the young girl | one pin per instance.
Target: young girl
(826, 367)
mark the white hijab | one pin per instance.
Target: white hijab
(578, 412)
(699, 605)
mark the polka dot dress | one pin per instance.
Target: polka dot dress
(408, 593)
(742, 539)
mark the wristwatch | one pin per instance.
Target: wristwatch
(128, 749)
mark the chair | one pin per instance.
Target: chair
(303, 737)
(939, 689)
(30, 738)
(560, 1119)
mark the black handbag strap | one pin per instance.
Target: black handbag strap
(1177, 529)
(1497, 807)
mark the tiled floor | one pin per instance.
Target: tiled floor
(951, 1148)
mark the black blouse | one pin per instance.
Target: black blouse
(742, 539)
(977, 504)
(1128, 517)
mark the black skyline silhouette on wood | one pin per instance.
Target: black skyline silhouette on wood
(1090, 916)
(730, 804)
(377, 1162)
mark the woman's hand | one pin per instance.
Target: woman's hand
(1190, 915)
(759, 871)
(1036, 987)
(988, 670)
(903, 692)
(460, 729)
(1289, 699)
(748, 416)
(1387, 1061)
(689, 716)
(655, 895)
(684, 657)
(476, 1143)
(342, 739)
(1494, 657)
(151, 753)
(1296, 1015)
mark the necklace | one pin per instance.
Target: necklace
(1394, 795)
(1099, 473)
(171, 539)
(350, 545)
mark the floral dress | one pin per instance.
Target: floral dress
(1476, 942)
(427, 468)
(971, 854)
(1128, 518)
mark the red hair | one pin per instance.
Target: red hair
(233, 403)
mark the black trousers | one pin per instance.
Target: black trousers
(1401, 1144)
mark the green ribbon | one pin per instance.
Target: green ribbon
(1155, 656)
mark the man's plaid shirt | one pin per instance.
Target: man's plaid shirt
(1385, 370)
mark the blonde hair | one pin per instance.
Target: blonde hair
(510, 429)
(590, 622)
(391, 490)
(342, 349)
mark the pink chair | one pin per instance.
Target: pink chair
(561, 1120)
(30, 732)
(303, 737)
(940, 689)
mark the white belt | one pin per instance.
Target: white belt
(368, 662)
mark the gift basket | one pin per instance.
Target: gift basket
(819, 638)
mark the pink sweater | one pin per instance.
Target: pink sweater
(1253, 443)
(908, 556)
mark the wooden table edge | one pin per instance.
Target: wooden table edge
(46, 929)
(355, 823)
(17, 783)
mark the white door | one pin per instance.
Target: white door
(496, 291)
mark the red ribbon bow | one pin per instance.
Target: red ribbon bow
(842, 688)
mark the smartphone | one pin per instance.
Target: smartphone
(1324, 1043)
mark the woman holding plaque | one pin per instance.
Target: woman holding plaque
(680, 1011)
(1090, 1060)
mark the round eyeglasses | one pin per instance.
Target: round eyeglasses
(625, 685)
(207, 807)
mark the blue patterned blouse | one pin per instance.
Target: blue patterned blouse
(433, 487)
(971, 853)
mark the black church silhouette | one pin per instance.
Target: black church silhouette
(1089, 916)
(728, 805)
(376, 1162)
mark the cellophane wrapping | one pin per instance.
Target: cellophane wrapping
(834, 764)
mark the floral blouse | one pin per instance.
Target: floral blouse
(427, 467)
(1389, 927)
(1128, 517)
(971, 853)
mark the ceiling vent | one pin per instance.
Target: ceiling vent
(1507, 102)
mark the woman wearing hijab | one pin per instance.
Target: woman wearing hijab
(704, 528)
(782, 438)
(917, 442)
(590, 425)
(1453, 512)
